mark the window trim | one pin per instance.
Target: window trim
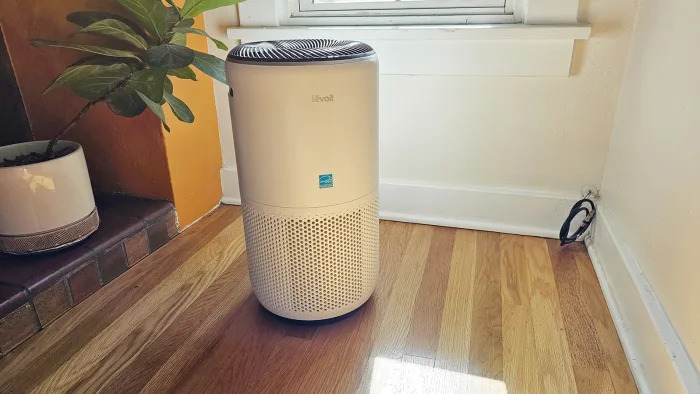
(320, 19)
(294, 15)
(311, 5)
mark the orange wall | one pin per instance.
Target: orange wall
(133, 156)
(123, 155)
(194, 151)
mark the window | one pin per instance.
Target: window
(396, 12)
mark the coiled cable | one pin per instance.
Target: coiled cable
(585, 205)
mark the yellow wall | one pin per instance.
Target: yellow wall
(193, 150)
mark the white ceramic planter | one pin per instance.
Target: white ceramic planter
(45, 206)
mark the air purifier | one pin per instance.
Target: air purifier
(305, 133)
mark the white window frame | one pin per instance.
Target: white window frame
(536, 38)
(308, 13)
(343, 5)
(400, 12)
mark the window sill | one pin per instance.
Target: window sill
(418, 32)
(488, 50)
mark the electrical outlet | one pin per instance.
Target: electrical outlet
(590, 191)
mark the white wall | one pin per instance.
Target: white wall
(544, 134)
(651, 185)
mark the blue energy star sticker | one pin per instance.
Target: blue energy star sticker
(325, 181)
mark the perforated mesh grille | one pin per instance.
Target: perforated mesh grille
(315, 264)
(299, 51)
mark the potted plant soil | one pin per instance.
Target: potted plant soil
(46, 201)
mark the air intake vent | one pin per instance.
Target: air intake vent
(313, 264)
(299, 51)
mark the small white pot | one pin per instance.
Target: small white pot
(45, 206)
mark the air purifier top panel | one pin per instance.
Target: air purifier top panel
(299, 51)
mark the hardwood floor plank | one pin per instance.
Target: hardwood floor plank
(615, 359)
(452, 358)
(185, 341)
(191, 351)
(486, 342)
(114, 348)
(303, 331)
(424, 334)
(394, 323)
(453, 348)
(587, 358)
(415, 374)
(236, 360)
(394, 240)
(332, 360)
(549, 334)
(34, 361)
(521, 367)
(515, 281)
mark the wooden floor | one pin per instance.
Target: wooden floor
(454, 311)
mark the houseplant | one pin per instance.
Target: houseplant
(49, 203)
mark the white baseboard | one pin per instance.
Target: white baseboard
(229, 186)
(511, 211)
(657, 357)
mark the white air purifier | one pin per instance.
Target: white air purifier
(305, 132)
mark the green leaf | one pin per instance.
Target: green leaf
(91, 81)
(191, 30)
(192, 8)
(179, 108)
(151, 13)
(82, 73)
(116, 29)
(179, 39)
(210, 65)
(86, 48)
(68, 75)
(156, 108)
(172, 17)
(185, 23)
(106, 61)
(183, 73)
(148, 82)
(103, 60)
(167, 87)
(87, 18)
(126, 102)
(169, 56)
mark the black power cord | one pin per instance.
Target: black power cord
(584, 205)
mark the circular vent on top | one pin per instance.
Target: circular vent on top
(299, 51)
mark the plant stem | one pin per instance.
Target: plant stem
(49, 153)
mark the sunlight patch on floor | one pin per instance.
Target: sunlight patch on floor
(419, 375)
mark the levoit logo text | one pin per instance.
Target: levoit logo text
(317, 98)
